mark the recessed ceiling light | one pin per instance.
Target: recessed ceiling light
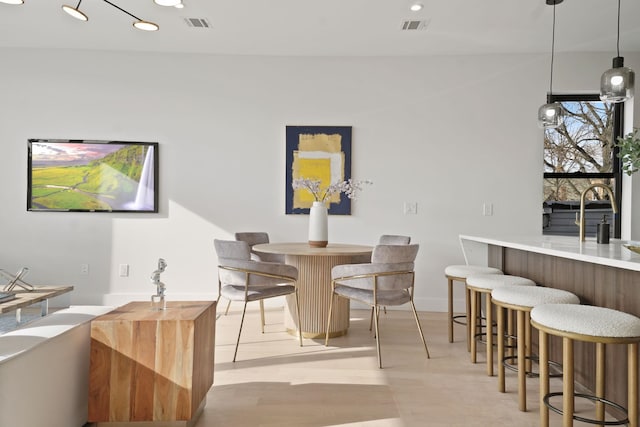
(416, 7)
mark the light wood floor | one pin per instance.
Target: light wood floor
(274, 382)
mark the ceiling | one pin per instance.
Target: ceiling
(327, 27)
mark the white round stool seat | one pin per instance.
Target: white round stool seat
(601, 326)
(489, 282)
(459, 273)
(587, 320)
(531, 296)
(463, 271)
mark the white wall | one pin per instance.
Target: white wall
(449, 133)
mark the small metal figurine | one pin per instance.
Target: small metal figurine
(157, 300)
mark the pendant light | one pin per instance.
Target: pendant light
(75, 11)
(138, 23)
(173, 3)
(551, 114)
(616, 84)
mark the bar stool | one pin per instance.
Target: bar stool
(459, 273)
(480, 284)
(522, 299)
(586, 323)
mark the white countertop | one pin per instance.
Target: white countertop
(613, 254)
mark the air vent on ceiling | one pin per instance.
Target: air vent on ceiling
(409, 24)
(197, 22)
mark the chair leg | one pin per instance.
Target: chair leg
(543, 360)
(378, 339)
(227, 310)
(244, 310)
(262, 315)
(377, 311)
(415, 314)
(489, 330)
(298, 314)
(470, 334)
(450, 308)
(632, 384)
(521, 327)
(326, 338)
(567, 382)
(601, 360)
(371, 320)
(473, 323)
(500, 338)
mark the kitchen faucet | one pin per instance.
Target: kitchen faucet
(581, 222)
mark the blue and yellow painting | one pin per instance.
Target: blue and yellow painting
(319, 153)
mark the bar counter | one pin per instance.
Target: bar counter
(613, 254)
(602, 275)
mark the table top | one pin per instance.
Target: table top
(303, 248)
(143, 311)
(38, 294)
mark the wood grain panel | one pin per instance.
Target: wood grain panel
(151, 365)
(141, 399)
(595, 284)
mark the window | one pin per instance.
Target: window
(577, 154)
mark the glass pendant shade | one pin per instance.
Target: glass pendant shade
(12, 1)
(550, 115)
(617, 83)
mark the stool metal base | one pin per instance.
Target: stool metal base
(593, 399)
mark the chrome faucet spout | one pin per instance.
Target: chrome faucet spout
(581, 221)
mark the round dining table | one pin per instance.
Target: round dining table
(314, 285)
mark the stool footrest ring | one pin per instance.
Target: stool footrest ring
(588, 420)
(460, 322)
(514, 367)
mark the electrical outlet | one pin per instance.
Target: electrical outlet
(410, 208)
(84, 269)
(123, 270)
(487, 209)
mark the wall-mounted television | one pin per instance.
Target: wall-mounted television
(92, 176)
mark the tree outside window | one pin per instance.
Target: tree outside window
(577, 154)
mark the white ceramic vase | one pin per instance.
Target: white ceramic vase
(318, 225)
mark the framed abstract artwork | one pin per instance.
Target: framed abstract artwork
(320, 153)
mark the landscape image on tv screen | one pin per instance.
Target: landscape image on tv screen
(92, 176)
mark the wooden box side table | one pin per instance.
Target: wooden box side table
(151, 365)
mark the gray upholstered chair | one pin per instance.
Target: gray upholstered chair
(387, 280)
(254, 238)
(394, 239)
(242, 279)
(389, 239)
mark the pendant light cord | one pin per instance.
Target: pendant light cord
(553, 45)
(618, 38)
